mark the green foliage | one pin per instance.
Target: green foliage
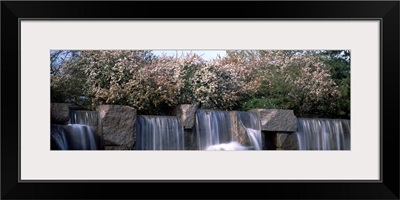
(67, 80)
(340, 70)
(343, 103)
(261, 103)
(309, 82)
(297, 80)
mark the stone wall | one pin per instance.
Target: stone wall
(278, 127)
(59, 113)
(117, 126)
(277, 120)
(187, 114)
(239, 133)
(286, 141)
(190, 138)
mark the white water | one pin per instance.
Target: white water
(213, 128)
(252, 125)
(59, 139)
(323, 134)
(73, 137)
(82, 137)
(89, 118)
(159, 133)
(231, 146)
(77, 135)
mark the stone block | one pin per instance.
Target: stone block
(187, 113)
(277, 120)
(238, 131)
(190, 138)
(117, 125)
(59, 113)
(287, 141)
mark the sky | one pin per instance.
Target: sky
(205, 54)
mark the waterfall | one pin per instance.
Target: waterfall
(89, 118)
(82, 137)
(78, 134)
(323, 134)
(59, 139)
(72, 137)
(227, 146)
(252, 125)
(213, 128)
(159, 133)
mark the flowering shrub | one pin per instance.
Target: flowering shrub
(241, 80)
(217, 86)
(133, 78)
(298, 81)
(308, 83)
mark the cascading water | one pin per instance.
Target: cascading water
(78, 135)
(251, 123)
(59, 139)
(159, 133)
(73, 137)
(88, 118)
(213, 128)
(82, 137)
(323, 134)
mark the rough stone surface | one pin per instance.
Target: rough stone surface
(118, 126)
(239, 133)
(115, 148)
(187, 113)
(59, 113)
(190, 139)
(286, 141)
(277, 120)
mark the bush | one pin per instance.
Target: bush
(243, 80)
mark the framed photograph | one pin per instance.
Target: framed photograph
(113, 97)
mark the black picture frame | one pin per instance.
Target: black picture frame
(386, 11)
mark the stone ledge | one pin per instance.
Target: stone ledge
(187, 113)
(118, 125)
(276, 120)
(59, 113)
(286, 141)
